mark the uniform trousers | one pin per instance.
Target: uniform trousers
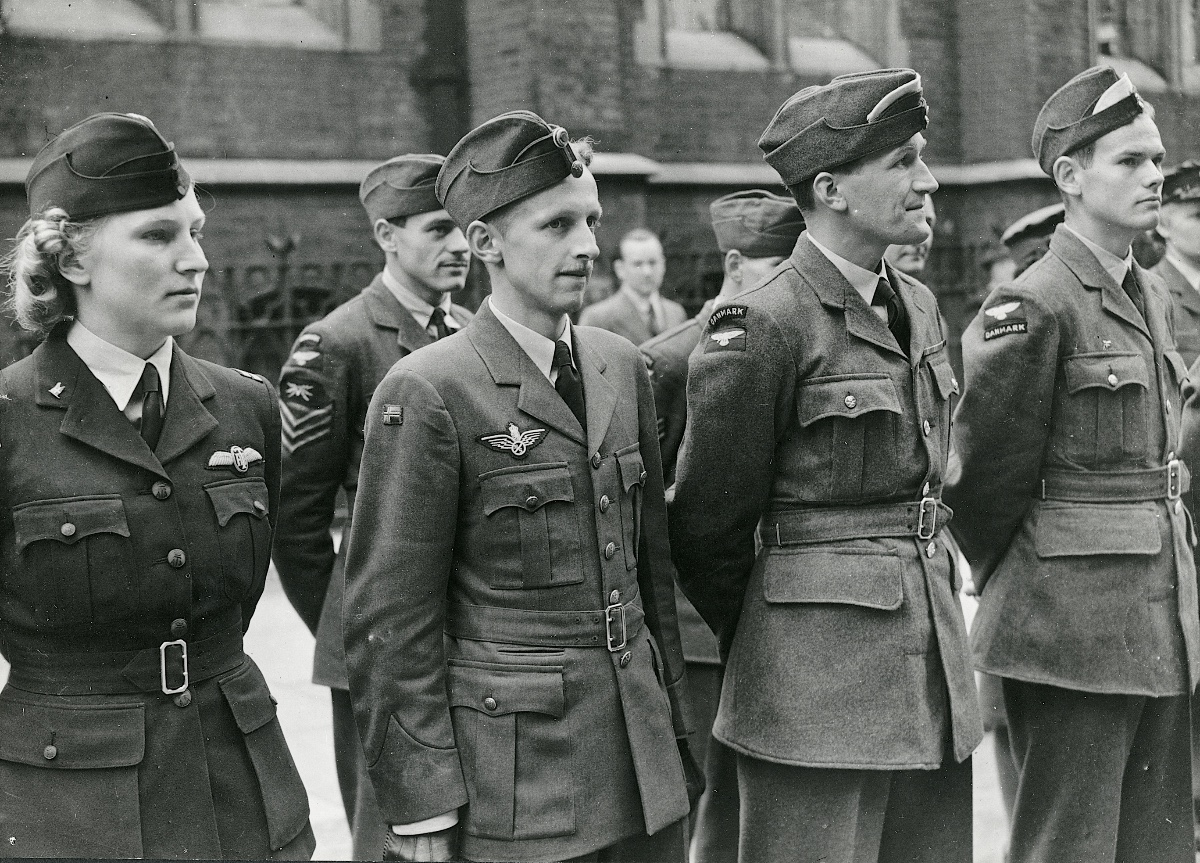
(714, 821)
(1104, 778)
(668, 845)
(827, 815)
(358, 794)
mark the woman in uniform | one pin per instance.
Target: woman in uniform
(137, 491)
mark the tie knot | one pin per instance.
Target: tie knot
(150, 382)
(883, 292)
(562, 355)
(437, 317)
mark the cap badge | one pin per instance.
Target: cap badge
(57, 390)
(514, 442)
(237, 458)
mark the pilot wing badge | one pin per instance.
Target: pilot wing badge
(237, 459)
(515, 442)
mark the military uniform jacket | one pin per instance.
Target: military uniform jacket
(487, 512)
(324, 389)
(110, 547)
(1065, 375)
(619, 315)
(847, 653)
(1186, 302)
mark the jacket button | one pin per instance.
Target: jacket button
(625, 658)
(642, 476)
(67, 529)
(925, 427)
(931, 550)
(614, 597)
(609, 551)
(176, 558)
(161, 490)
(179, 628)
(183, 699)
(851, 401)
(1112, 380)
(490, 703)
(531, 501)
(50, 752)
(604, 502)
(1178, 507)
(596, 460)
(259, 506)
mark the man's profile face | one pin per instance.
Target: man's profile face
(548, 244)
(886, 194)
(642, 265)
(1122, 186)
(1179, 225)
(431, 252)
(911, 258)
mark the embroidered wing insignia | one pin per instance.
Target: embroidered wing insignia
(724, 337)
(1003, 310)
(514, 442)
(237, 458)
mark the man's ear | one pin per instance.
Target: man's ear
(383, 230)
(486, 242)
(733, 266)
(73, 270)
(1066, 171)
(827, 192)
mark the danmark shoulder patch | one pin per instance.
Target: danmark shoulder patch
(726, 329)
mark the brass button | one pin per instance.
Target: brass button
(259, 506)
(931, 550)
(925, 490)
(179, 628)
(614, 597)
(161, 490)
(489, 703)
(596, 460)
(625, 658)
(925, 427)
(50, 752)
(851, 401)
(67, 529)
(183, 699)
(954, 381)
(642, 476)
(531, 501)
(1112, 380)
(609, 551)
(604, 502)
(176, 558)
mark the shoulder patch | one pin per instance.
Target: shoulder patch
(726, 329)
(297, 387)
(732, 315)
(305, 410)
(1012, 326)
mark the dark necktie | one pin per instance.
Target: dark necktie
(152, 406)
(897, 320)
(652, 320)
(1134, 291)
(568, 383)
(437, 321)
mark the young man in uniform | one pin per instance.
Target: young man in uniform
(324, 389)
(508, 562)
(637, 310)
(1068, 504)
(818, 424)
(1179, 226)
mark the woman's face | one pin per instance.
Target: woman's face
(139, 279)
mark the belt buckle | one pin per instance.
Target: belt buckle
(927, 518)
(162, 665)
(1174, 479)
(612, 614)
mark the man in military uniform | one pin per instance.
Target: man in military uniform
(1068, 504)
(1179, 226)
(324, 391)
(510, 619)
(818, 423)
(637, 310)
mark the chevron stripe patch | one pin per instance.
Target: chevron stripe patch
(302, 426)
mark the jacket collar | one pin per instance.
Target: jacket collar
(385, 311)
(1178, 285)
(1079, 260)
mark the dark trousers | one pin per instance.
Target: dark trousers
(367, 829)
(668, 845)
(821, 815)
(714, 821)
(1104, 778)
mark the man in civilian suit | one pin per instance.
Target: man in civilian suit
(1179, 226)
(637, 310)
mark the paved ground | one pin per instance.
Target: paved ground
(282, 647)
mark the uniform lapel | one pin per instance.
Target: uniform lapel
(187, 421)
(599, 395)
(635, 321)
(385, 311)
(1091, 274)
(917, 316)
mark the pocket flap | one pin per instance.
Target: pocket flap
(68, 520)
(499, 689)
(633, 470)
(1086, 529)
(943, 376)
(62, 737)
(528, 488)
(847, 396)
(869, 580)
(1106, 371)
(249, 697)
(231, 496)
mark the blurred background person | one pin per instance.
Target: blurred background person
(1179, 228)
(637, 310)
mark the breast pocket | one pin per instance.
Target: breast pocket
(244, 534)
(633, 478)
(536, 505)
(75, 563)
(1105, 411)
(845, 417)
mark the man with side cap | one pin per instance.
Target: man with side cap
(818, 424)
(510, 621)
(324, 389)
(756, 231)
(1068, 504)
(1028, 238)
(1179, 226)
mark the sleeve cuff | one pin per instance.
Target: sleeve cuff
(429, 825)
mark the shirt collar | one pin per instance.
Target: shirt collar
(862, 280)
(414, 305)
(539, 348)
(1187, 269)
(116, 368)
(1115, 267)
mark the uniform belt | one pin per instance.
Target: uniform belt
(1167, 482)
(610, 627)
(169, 668)
(921, 519)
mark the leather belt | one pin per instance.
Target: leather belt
(168, 668)
(611, 627)
(921, 519)
(1168, 482)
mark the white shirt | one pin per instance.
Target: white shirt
(862, 280)
(1115, 267)
(417, 307)
(539, 348)
(119, 370)
(1189, 271)
(645, 304)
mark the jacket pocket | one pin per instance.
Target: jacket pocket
(844, 417)
(512, 737)
(633, 478)
(1104, 413)
(75, 561)
(241, 509)
(285, 801)
(536, 504)
(1087, 529)
(867, 579)
(70, 778)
